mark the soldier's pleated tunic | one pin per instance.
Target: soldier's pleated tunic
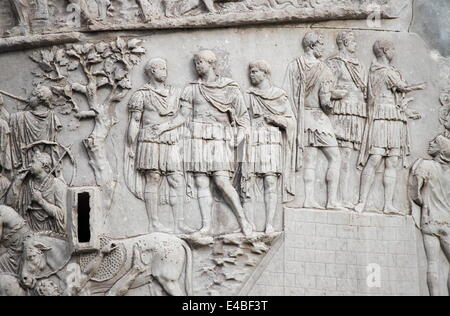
(350, 113)
(217, 110)
(161, 153)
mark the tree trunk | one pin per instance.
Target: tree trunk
(96, 149)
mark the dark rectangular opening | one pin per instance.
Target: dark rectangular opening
(84, 215)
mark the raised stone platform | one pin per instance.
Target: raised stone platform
(343, 253)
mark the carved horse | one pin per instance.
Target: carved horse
(162, 257)
(10, 286)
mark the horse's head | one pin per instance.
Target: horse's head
(44, 254)
(34, 261)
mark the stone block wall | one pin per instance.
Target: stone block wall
(344, 253)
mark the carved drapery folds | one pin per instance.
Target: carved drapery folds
(206, 161)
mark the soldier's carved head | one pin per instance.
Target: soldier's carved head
(346, 41)
(259, 71)
(204, 61)
(156, 68)
(383, 48)
(314, 41)
(41, 162)
(440, 147)
(41, 95)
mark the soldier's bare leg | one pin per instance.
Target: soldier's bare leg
(347, 193)
(205, 202)
(152, 182)
(145, 9)
(367, 180)
(310, 178)
(271, 201)
(389, 181)
(445, 244)
(432, 250)
(231, 196)
(20, 11)
(333, 156)
(176, 202)
(84, 10)
(209, 4)
(249, 207)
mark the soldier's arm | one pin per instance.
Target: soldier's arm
(177, 121)
(186, 100)
(417, 183)
(325, 94)
(277, 121)
(400, 85)
(133, 128)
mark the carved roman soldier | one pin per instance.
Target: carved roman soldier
(154, 147)
(218, 122)
(310, 83)
(272, 140)
(386, 136)
(349, 114)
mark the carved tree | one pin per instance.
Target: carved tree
(105, 67)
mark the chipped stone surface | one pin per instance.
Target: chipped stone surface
(205, 147)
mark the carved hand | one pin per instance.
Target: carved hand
(22, 175)
(37, 196)
(414, 115)
(338, 94)
(421, 86)
(108, 248)
(271, 120)
(240, 137)
(158, 130)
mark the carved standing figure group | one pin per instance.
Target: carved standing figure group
(210, 141)
(211, 135)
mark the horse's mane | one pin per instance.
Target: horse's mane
(47, 233)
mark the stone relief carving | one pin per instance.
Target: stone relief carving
(444, 113)
(429, 183)
(272, 142)
(311, 85)
(5, 147)
(39, 196)
(349, 113)
(386, 137)
(218, 123)
(28, 127)
(106, 67)
(20, 11)
(209, 143)
(155, 148)
(42, 16)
